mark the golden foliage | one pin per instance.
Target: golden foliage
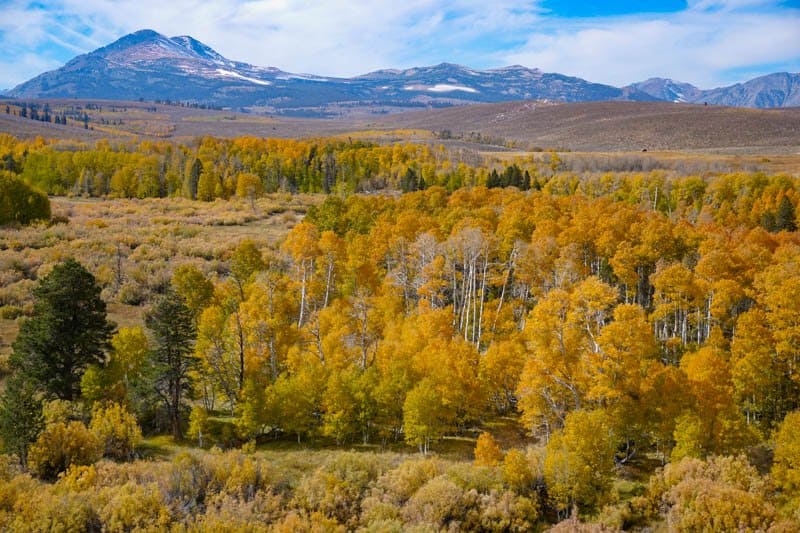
(62, 445)
(487, 451)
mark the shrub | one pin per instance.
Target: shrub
(133, 507)
(337, 488)
(10, 312)
(398, 485)
(721, 494)
(225, 513)
(78, 478)
(132, 293)
(437, 503)
(704, 505)
(61, 445)
(505, 511)
(42, 510)
(188, 481)
(482, 479)
(235, 474)
(117, 431)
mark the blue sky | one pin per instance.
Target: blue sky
(705, 42)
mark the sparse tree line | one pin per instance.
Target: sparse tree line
(44, 113)
(649, 319)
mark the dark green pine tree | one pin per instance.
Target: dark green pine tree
(512, 177)
(172, 360)
(526, 181)
(785, 216)
(493, 180)
(67, 332)
(194, 178)
(21, 418)
(10, 164)
(409, 181)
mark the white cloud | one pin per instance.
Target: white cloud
(706, 44)
(701, 44)
(325, 37)
(23, 67)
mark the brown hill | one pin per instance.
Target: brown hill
(614, 126)
(148, 120)
(595, 126)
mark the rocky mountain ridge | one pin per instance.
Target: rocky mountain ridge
(149, 66)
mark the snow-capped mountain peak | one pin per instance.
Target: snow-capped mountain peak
(151, 66)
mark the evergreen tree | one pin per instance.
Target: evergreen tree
(10, 164)
(172, 360)
(194, 178)
(512, 177)
(67, 332)
(493, 181)
(409, 182)
(785, 217)
(21, 418)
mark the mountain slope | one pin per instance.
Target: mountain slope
(612, 126)
(780, 89)
(149, 66)
(668, 90)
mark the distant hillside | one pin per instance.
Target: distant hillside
(149, 66)
(613, 125)
(593, 126)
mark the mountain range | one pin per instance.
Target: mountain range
(149, 66)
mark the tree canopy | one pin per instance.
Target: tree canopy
(19, 202)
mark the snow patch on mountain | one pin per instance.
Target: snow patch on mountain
(305, 77)
(446, 88)
(441, 88)
(229, 74)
